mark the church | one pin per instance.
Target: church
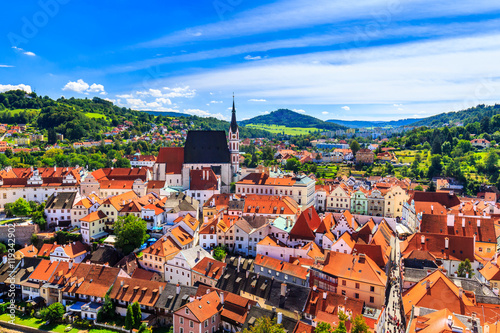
(203, 149)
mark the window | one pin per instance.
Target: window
(357, 285)
(181, 320)
(187, 311)
(343, 282)
(191, 323)
(181, 330)
(372, 299)
(206, 323)
(343, 292)
(356, 296)
(372, 289)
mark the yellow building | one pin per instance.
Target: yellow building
(394, 200)
(92, 226)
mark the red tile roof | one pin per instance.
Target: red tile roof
(202, 180)
(459, 247)
(281, 266)
(306, 225)
(204, 308)
(137, 290)
(173, 157)
(210, 268)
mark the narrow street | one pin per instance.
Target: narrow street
(393, 323)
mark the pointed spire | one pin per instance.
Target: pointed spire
(234, 124)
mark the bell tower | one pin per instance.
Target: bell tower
(234, 142)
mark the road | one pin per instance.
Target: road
(393, 311)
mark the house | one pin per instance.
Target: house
(207, 271)
(74, 252)
(364, 156)
(92, 226)
(126, 291)
(155, 256)
(200, 315)
(203, 184)
(37, 184)
(171, 299)
(299, 188)
(179, 268)
(270, 206)
(179, 204)
(480, 143)
(168, 166)
(448, 250)
(58, 208)
(425, 320)
(353, 275)
(281, 270)
(83, 207)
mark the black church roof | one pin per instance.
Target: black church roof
(206, 147)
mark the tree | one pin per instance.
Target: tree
(341, 328)
(293, 164)
(107, 310)
(355, 147)
(491, 162)
(136, 314)
(431, 187)
(53, 313)
(130, 233)
(358, 325)
(20, 207)
(265, 325)
(51, 136)
(219, 253)
(129, 318)
(323, 327)
(465, 269)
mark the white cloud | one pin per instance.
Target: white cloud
(299, 110)
(164, 101)
(249, 57)
(257, 100)
(83, 87)
(150, 92)
(136, 103)
(110, 100)
(79, 86)
(264, 112)
(125, 96)
(7, 87)
(400, 109)
(6, 66)
(179, 92)
(346, 108)
(396, 105)
(23, 51)
(215, 102)
(202, 113)
(324, 112)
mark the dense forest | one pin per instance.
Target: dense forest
(290, 118)
(81, 119)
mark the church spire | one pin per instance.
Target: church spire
(234, 124)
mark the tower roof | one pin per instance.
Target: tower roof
(234, 124)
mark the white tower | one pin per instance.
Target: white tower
(234, 142)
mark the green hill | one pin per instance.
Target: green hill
(464, 117)
(369, 124)
(288, 118)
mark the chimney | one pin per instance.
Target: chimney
(178, 289)
(55, 168)
(486, 328)
(283, 289)
(314, 288)
(450, 321)
(422, 239)
(239, 262)
(324, 294)
(479, 223)
(4, 259)
(22, 262)
(428, 284)
(198, 254)
(432, 209)
(121, 283)
(446, 242)
(222, 297)
(460, 293)
(247, 274)
(70, 264)
(160, 290)
(463, 222)
(280, 318)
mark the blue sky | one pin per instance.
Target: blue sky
(353, 60)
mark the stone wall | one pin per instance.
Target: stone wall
(22, 232)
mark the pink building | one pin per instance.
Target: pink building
(202, 315)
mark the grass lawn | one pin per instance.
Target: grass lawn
(59, 328)
(329, 171)
(287, 130)
(94, 115)
(38, 323)
(16, 111)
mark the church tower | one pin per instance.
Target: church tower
(234, 142)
